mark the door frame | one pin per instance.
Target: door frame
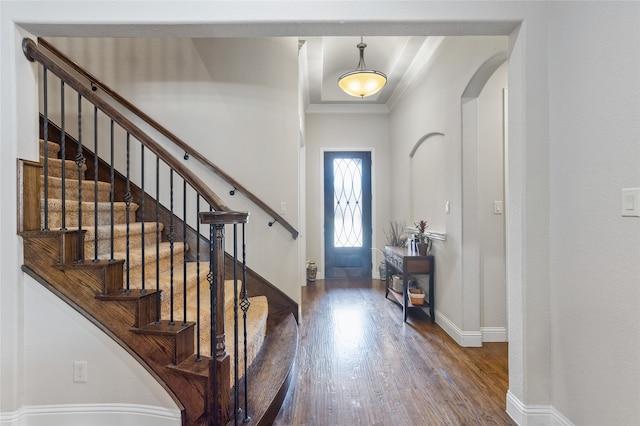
(371, 150)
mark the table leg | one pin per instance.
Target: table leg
(386, 278)
(405, 296)
(432, 310)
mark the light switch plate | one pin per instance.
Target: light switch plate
(630, 202)
(497, 207)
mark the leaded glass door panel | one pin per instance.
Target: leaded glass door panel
(347, 206)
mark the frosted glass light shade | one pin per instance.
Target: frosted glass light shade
(362, 83)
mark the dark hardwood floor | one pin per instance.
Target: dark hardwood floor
(359, 364)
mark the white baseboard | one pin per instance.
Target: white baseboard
(91, 414)
(493, 334)
(534, 415)
(469, 339)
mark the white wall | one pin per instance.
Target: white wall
(346, 132)
(55, 337)
(434, 105)
(594, 122)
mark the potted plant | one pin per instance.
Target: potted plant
(424, 242)
(396, 235)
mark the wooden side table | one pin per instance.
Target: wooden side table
(406, 261)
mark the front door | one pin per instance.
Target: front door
(347, 214)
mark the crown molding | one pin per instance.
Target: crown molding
(347, 109)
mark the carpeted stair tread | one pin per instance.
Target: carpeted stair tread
(164, 262)
(164, 251)
(71, 189)
(165, 281)
(120, 237)
(53, 148)
(88, 212)
(54, 166)
(256, 329)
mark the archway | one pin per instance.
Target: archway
(483, 225)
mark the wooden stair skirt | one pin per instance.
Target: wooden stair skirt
(95, 287)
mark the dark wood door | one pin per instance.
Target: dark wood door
(347, 214)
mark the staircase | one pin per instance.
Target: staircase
(143, 275)
(135, 287)
(166, 266)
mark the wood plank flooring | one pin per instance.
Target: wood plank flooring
(359, 364)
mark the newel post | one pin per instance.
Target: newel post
(218, 400)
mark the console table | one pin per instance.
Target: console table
(407, 261)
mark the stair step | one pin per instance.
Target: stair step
(178, 293)
(256, 327)
(194, 366)
(146, 303)
(182, 333)
(164, 263)
(165, 282)
(71, 189)
(120, 238)
(54, 166)
(88, 213)
(257, 316)
(53, 148)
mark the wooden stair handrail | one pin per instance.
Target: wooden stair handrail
(173, 138)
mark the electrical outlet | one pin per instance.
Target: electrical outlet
(79, 371)
(283, 208)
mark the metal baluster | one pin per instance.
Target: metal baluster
(127, 199)
(236, 343)
(112, 194)
(244, 305)
(95, 183)
(63, 156)
(198, 358)
(80, 162)
(184, 250)
(172, 238)
(157, 239)
(45, 149)
(142, 197)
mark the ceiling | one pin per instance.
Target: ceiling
(326, 58)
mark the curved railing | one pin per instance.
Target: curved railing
(188, 150)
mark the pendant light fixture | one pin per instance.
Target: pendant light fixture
(362, 82)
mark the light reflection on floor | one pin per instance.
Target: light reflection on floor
(348, 330)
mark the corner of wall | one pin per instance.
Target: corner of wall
(467, 339)
(534, 415)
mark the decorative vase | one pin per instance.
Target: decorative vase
(423, 249)
(382, 269)
(312, 270)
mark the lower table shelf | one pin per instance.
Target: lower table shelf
(397, 297)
